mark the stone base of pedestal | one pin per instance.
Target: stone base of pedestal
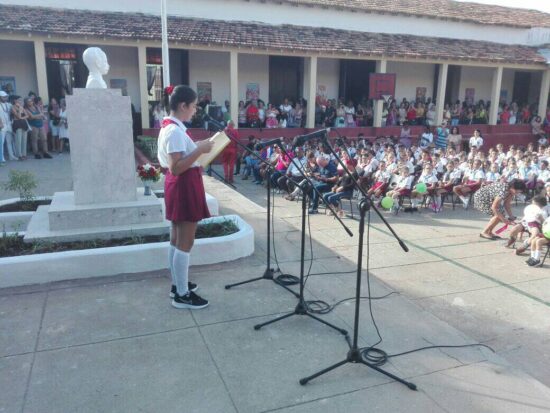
(39, 230)
(64, 214)
(39, 227)
(64, 221)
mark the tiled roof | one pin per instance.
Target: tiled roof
(439, 9)
(246, 35)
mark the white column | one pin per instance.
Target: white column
(234, 86)
(41, 75)
(544, 92)
(381, 66)
(495, 95)
(441, 89)
(143, 92)
(165, 51)
(311, 91)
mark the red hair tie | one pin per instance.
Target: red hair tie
(169, 89)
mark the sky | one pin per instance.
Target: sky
(542, 5)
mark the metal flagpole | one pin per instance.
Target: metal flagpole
(165, 53)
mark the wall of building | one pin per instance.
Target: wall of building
(478, 78)
(328, 74)
(210, 67)
(508, 83)
(123, 62)
(253, 69)
(409, 76)
(17, 61)
(273, 13)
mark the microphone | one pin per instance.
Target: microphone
(301, 139)
(217, 124)
(268, 143)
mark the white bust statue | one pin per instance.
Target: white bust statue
(95, 60)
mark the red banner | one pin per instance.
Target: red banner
(381, 84)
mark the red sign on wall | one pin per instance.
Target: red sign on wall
(381, 84)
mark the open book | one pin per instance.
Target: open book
(220, 140)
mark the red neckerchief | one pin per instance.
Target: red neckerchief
(168, 121)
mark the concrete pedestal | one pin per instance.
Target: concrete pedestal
(102, 147)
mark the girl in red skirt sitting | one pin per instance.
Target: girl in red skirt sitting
(183, 190)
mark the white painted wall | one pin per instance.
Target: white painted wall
(124, 65)
(479, 78)
(253, 69)
(273, 13)
(328, 74)
(210, 67)
(409, 76)
(17, 60)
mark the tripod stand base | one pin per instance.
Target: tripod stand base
(269, 274)
(301, 309)
(354, 356)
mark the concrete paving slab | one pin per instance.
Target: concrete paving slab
(488, 313)
(109, 311)
(508, 269)
(388, 254)
(262, 368)
(539, 287)
(158, 373)
(486, 387)
(14, 373)
(431, 279)
(20, 318)
(255, 299)
(391, 397)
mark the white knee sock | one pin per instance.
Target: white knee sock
(181, 269)
(536, 255)
(171, 252)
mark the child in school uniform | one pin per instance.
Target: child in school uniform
(533, 217)
(427, 177)
(381, 179)
(536, 247)
(492, 175)
(402, 187)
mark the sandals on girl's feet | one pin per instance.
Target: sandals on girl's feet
(489, 237)
(521, 250)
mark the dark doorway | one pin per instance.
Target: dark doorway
(354, 79)
(522, 81)
(65, 69)
(286, 76)
(179, 67)
(452, 90)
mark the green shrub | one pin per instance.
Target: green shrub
(22, 182)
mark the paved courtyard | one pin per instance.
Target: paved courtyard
(115, 344)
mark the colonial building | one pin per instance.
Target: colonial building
(441, 49)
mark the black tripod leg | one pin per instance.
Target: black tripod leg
(258, 326)
(410, 385)
(341, 330)
(290, 290)
(320, 373)
(228, 286)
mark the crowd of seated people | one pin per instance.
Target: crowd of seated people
(338, 113)
(386, 168)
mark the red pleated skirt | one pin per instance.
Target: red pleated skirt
(184, 197)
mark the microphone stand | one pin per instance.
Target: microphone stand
(269, 273)
(354, 354)
(302, 307)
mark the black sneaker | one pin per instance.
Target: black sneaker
(189, 300)
(190, 286)
(534, 263)
(37, 156)
(529, 261)
(47, 155)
